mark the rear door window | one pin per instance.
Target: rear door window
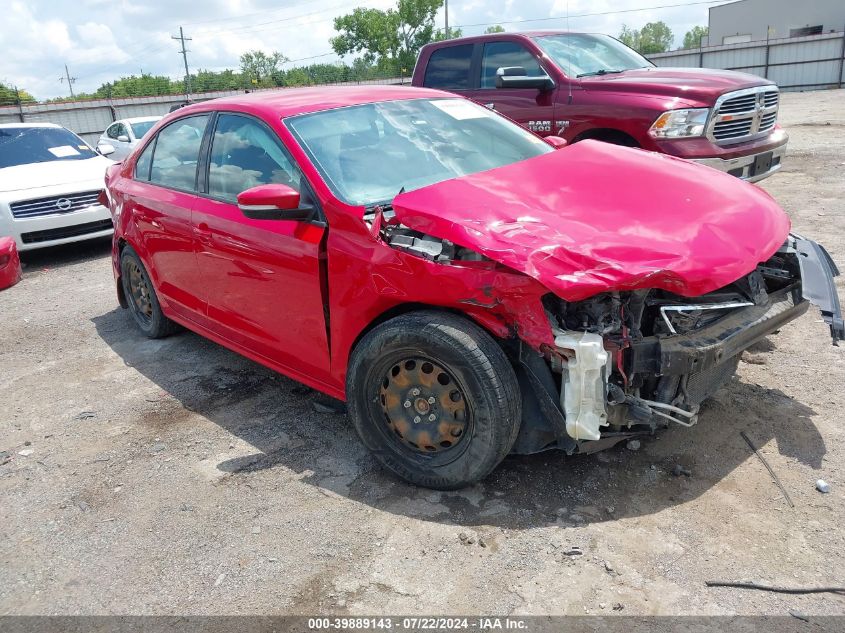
(449, 68)
(142, 165)
(176, 155)
(503, 55)
(245, 154)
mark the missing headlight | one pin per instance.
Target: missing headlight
(426, 246)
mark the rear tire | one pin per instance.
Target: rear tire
(140, 295)
(435, 399)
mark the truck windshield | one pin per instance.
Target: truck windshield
(367, 154)
(584, 54)
(24, 145)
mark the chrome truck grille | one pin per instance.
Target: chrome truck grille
(744, 115)
(54, 204)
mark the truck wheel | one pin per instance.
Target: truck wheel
(141, 297)
(435, 399)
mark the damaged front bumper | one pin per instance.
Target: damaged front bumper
(614, 384)
(818, 287)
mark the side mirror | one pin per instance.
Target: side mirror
(123, 138)
(517, 77)
(556, 141)
(273, 202)
(105, 149)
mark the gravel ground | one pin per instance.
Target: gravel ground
(173, 476)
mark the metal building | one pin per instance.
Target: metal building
(753, 20)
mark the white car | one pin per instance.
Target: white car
(125, 134)
(50, 184)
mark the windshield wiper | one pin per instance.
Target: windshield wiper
(387, 203)
(603, 71)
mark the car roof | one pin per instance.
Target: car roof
(287, 102)
(25, 125)
(139, 119)
(486, 37)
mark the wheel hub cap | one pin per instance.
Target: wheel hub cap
(423, 405)
(140, 291)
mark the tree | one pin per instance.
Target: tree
(8, 95)
(138, 86)
(498, 28)
(259, 68)
(440, 34)
(390, 38)
(629, 37)
(695, 35)
(654, 37)
(209, 80)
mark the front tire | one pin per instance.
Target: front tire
(435, 399)
(140, 295)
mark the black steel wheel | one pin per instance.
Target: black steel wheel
(435, 399)
(140, 295)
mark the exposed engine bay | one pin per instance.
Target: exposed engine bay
(659, 355)
(632, 326)
(629, 362)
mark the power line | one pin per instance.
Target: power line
(184, 52)
(156, 48)
(586, 15)
(302, 59)
(253, 27)
(234, 18)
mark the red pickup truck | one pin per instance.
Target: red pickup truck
(580, 86)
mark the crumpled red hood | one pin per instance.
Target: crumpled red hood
(595, 217)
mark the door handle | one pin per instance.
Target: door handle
(203, 233)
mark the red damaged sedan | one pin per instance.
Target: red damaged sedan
(468, 290)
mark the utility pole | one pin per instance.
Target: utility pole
(447, 19)
(69, 80)
(20, 105)
(184, 53)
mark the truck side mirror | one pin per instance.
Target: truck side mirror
(517, 77)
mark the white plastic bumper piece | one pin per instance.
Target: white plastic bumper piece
(583, 392)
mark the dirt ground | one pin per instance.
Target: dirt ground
(173, 476)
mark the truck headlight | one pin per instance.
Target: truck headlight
(680, 123)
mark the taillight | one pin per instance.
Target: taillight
(103, 198)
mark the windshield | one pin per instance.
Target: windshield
(369, 153)
(142, 127)
(583, 54)
(25, 145)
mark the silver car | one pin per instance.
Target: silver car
(125, 134)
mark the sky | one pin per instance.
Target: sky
(102, 40)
